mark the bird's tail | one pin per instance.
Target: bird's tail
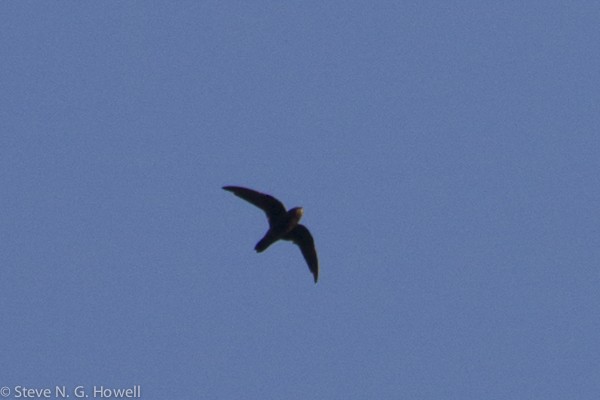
(264, 243)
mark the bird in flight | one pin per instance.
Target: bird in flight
(282, 225)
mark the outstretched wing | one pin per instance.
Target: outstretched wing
(269, 204)
(302, 237)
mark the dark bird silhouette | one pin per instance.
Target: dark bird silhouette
(282, 225)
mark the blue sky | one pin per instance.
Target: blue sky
(446, 154)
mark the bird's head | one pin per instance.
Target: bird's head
(297, 212)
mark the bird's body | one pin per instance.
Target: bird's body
(282, 225)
